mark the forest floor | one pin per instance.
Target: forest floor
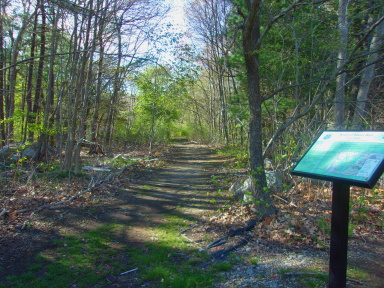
(281, 251)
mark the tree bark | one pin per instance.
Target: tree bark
(82, 92)
(39, 78)
(42, 144)
(116, 83)
(2, 76)
(94, 126)
(339, 106)
(10, 99)
(251, 38)
(367, 77)
(73, 102)
(28, 135)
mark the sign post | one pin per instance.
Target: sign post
(346, 158)
(339, 236)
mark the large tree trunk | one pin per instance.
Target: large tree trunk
(87, 89)
(251, 35)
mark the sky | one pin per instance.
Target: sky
(176, 14)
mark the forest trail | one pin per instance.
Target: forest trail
(185, 189)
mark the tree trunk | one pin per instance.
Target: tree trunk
(2, 76)
(367, 77)
(339, 106)
(82, 92)
(116, 84)
(94, 126)
(10, 99)
(73, 102)
(251, 35)
(39, 79)
(42, 146)
(30, 117)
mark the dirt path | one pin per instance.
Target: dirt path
(182, 188)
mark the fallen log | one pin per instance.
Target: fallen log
(97, 169)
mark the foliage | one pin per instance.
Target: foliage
(158, 105)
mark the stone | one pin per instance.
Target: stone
(4, 150)
(274, 180)
(235, 186)
(29, 153)
(247, 186)
(244, 191)
(247, 197)
(268, 164)
(16, 156)
(250, 272)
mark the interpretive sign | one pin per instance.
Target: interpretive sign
(346, 158)
(354, 157)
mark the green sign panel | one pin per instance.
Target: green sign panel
(355, 157)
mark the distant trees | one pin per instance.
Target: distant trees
(208, 21)
(159, 102)
(63, 66)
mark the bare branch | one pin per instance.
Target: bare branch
(67, 53)
(289, 87)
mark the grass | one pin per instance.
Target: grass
(356, 273)
(308, 278)
(81, 261)
(239, 155)
(169, 261)
(254, 260)
(118, 162)
(88, 259)
(221, 266)
(145, 187)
